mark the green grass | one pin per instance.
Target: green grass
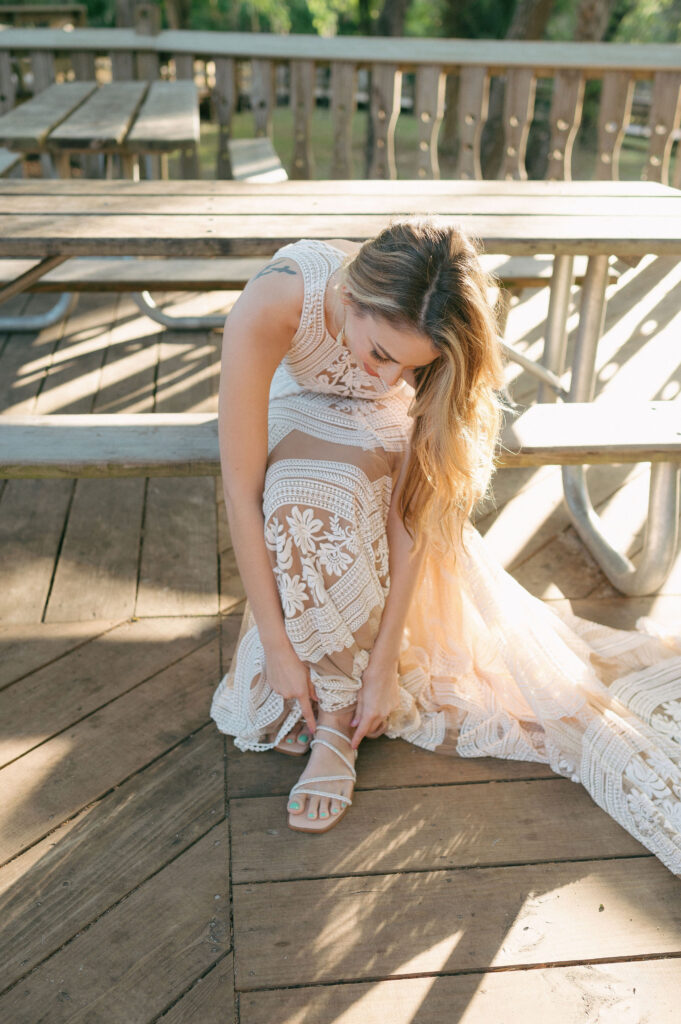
(632, 156)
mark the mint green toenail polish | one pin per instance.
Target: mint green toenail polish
(334, 810)
(310, 814)
(324, 814)
(295, 806)
(303, 738)
(289, 739)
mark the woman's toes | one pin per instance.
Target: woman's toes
(334, 808)
(296, 804)
(323, 809)
(313, 807)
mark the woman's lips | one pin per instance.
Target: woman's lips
(369, 370)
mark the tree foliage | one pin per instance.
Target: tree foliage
(627, 20)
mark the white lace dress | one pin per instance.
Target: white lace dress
(485, 668)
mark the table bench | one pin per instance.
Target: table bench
(56, 221)
(142, 276)
(124, 119)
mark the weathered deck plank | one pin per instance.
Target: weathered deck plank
(133, 962)
(32, 515)
(209, 1001)
(69, 879)
(26, 648)
(178, 571)
(80, 764)
(427, 828)
(380, 926)
(384, 764)
(92, 676)
(622, 992)
(97, 571)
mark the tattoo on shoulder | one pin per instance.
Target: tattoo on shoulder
(278, 267)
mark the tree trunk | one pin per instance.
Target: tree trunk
(391, 19)
(592, 20)
(125, 17)
(364, 17)
(178, 13)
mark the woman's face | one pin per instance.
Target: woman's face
(383, 350)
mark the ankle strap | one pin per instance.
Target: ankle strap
(336, 732)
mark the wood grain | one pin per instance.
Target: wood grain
(382, 926)
(26, 127)
(209, 1001)
(141, 956)
(420, 829)
(626, 992)
(57, 779)
(25, 648)
(103, 120)
(65, 882)
(384, 764)
(254, 234)
(91, 676)
(168, 118)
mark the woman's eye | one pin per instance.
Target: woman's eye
(378, 357)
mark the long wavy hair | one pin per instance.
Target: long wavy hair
(424, 275)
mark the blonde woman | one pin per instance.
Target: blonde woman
(358, 416)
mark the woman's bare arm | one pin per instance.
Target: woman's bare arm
(257, 335)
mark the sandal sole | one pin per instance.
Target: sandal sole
(315, 831)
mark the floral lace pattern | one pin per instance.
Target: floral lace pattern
(485, 668)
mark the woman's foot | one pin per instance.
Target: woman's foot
(330, 770)
(295, 743)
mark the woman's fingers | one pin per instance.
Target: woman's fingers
(308, 713)
(367, 724)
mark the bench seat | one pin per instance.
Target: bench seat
(115, 274)
(8, 160)
(186, 444)
(255, 160)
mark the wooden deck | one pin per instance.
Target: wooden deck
(147, 871)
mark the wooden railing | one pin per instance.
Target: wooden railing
(221, 60)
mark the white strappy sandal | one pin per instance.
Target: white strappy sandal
(307, 787)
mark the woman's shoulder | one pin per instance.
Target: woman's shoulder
(277, 288)
(344, 245)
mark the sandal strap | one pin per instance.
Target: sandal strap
(308, 789)
(336, 732)
(330, 746)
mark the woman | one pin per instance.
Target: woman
(358, 415)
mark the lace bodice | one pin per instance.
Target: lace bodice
(317, 361)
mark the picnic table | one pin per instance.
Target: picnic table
(124, 119)
(52, 222)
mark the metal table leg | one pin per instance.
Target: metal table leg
(661, 536)
(66, 301)
(146, 304)
(555, 345)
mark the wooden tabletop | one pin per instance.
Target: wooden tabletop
(119, 116)
(181, 219)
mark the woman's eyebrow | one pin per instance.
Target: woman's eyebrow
(382, 351)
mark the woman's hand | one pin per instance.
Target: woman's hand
(287, 676)
(378, 697)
